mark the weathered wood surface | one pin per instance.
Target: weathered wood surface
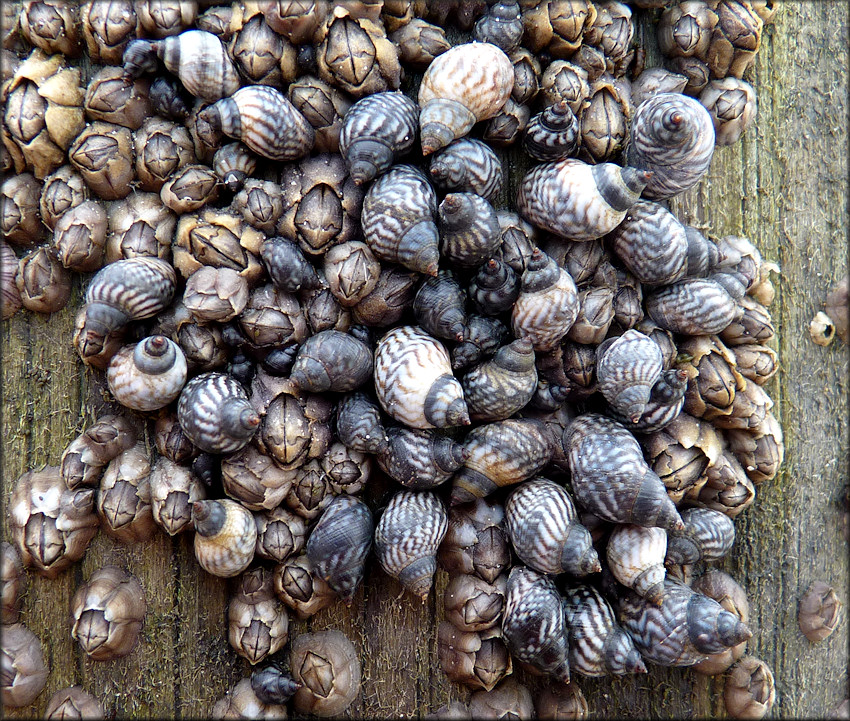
(785, 187)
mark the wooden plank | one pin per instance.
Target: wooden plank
(785, 187)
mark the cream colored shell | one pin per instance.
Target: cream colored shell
(636, 558)
(141, 390)
(231, 550)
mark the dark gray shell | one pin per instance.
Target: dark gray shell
(376, 131)
(287, 266)
(683, 630)
(358, 424)
(703, 255)
(420, 459)
(215, 413)
(693, 306)
(331, 361)
(552, 134)
(598, 644)
(398, 217)
(545, 532)
(498, 388)
(652, 244)
(467, 166)
(665, 403)
(626, 371)
(272, 686)
(469, 229)
(494, 288)
(501, 25)
(439, 306)
(482, 336)
(672, 135)
(707, 536)
(610, 476)
(533, 623)
(339, 544)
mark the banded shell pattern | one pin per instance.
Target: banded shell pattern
(635, 556)
(148, 375)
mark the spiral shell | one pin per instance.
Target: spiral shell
(672, 136)
(331, 361)
(407, 537)
(272, 686)
(626, 371)
(414, 381)
(707, 536)
(578, 201)
(264, 120)
(148, 375)
(339, 543)
(201, 62)
(545, 532)
(636, 558)
(420, 459)
(398, 219)
(683, 629)
(547, 305)
(439, 306)
(498, 388)
(693, 306)
(376, 131)
(215, 414)
(225, 537)
(469, 83)
(494, 288)
(610, 477)
(467, 166)
(501, 454)
(598, 645)
(552, 134)
(469, 229)
(358, 424)
(533, 623)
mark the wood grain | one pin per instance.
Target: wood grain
(784, 186)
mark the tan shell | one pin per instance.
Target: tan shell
(148, 375)
(636, 558)
(225, 538)
(469, 83)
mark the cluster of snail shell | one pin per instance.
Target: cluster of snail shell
(512, 373)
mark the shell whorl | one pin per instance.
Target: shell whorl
(149, 375)
(552, 134)
(498, 388)
(635, 556)
(467, 165)
(201, 62)
(626, 371)
(694, 306)
(137, 287)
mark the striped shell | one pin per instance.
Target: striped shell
(215, 413)
(264, 120)
(225, 537)
(201, 62)
(467, 166)
(672, 136)
(376, 131)
(420, 459)
(626, 371)
(707, 536)
(331, 361)
(636, 558)
(552, 134)
(652, 244)
(693, 306)
(547, 304)
(578, 201)
(498, 388)
(664, 405)
(358, 424)
(501, 454)
(462, 86)
(545, 532)
(469, 229)
(682, 630)
(339, 543)
(533, 623)
(148, 375)
(439, 306)
(610, 476)
(598, 645)
(494, 288)
(398, 217)
(414, 381)
(407, 537)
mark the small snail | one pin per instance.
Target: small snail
(148, 375)
(467, 166)
(636, 558)
(420, 459)
(225, 536)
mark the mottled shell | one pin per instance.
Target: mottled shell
(469, 83)
(407, 537)
(636, 558)
(414, 381)
(626, 371)
(501, 454)
(339, 544)
(598, 645)
(545, 532)
(552, 134)
(547, 305)
(398, 216)
(420, 459)
(533, 624)
(672, 136)
(469, 229)
(225, 537)
(148, 375)
(683, 629)
(693, 306)
(578, 201)
(358, 424)
(331, 361)
(467, 166)
(376, 131)
(610, 477)
(652, 244)
(264, 120)
(707, 536)
(215, 414)
(498, 388)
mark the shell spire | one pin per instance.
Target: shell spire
(626, 371)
